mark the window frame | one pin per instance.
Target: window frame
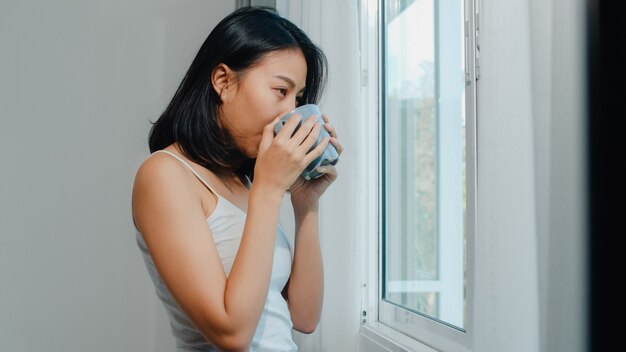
(411, 330)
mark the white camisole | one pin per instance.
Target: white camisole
(227, 221)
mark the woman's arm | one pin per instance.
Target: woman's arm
(169, 214)
(305, 290)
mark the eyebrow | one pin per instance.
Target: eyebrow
(289, 81)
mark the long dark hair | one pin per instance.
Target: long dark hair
(239, 41)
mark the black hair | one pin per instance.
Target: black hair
(239, 41)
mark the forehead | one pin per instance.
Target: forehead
(288, 63)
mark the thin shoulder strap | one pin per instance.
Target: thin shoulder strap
(190, 169)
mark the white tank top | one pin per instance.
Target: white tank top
(227, 221)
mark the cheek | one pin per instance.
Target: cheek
(260, 121)
(263, 110)
(261, 107)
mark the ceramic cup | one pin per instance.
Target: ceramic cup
(329, 156)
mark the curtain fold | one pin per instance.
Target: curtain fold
(334, 26)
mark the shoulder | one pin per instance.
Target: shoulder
(160, 171)
(162, 182)
(159, 167)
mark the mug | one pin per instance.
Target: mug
(329, 156)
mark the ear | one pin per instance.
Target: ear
(222, 79)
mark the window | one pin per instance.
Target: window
(427, 160)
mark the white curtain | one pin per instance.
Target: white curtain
(333, 25)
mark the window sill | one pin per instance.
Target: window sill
(388, 339)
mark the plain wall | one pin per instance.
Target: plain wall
(79, 83)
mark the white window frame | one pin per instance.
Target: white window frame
(410, 331)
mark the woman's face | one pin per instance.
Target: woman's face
(263, 92)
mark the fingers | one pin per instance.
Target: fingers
(330, 128)
(307, 133)
(317, 151)
(295, 138)
(301, 135)
(295, 134)
(333, 134)
(268, 135)
(335, 142)
(289, 127)
(329, 170)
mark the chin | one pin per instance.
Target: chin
(249, 147)
(253, 149)
(252, 155)
(251, 152)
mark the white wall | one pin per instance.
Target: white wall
(79, 83)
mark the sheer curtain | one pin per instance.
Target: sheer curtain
(333, 25)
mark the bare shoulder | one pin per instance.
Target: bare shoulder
(161, 182)
(159, 172)
(157, 166)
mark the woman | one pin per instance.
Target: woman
(206, 202)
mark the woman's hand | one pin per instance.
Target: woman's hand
(282, 158)
(306, 194)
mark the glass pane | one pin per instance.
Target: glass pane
(424, 158)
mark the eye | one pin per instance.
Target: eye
(282, 91)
